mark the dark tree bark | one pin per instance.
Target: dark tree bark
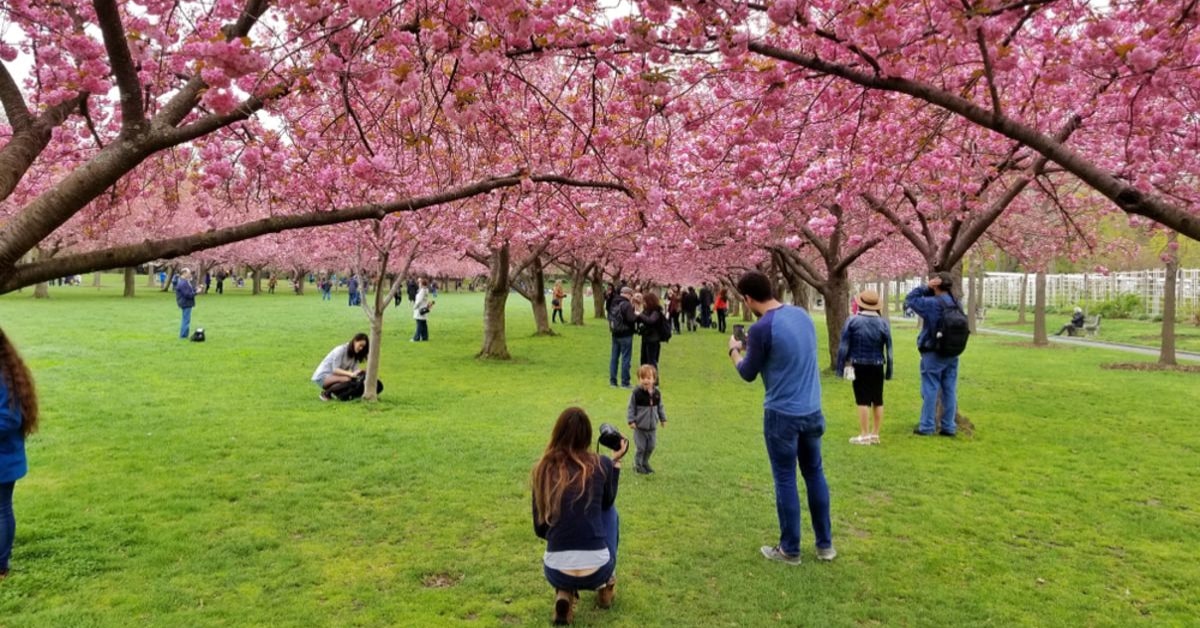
(495, 340)
(256, 284)
(1024, 294)
(130, 278)
(1166, 354)
(598, 293)
(1039, 310)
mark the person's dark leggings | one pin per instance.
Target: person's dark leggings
(8, 524)
(721, 321)
(675, 316)
(651, 349)
(422, 331)
(557, 315)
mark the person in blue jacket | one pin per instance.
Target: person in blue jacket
(185, 298)
(866, 348)
(574, 509)
(939, 374)
(18, 419)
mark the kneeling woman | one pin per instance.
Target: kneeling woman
(341, 365)
(574, 495)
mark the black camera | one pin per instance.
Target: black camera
(610, 437)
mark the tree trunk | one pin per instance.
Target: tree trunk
(167, 284)
(130, 279)
(1039, 310)
(299, 275)
(884, 290)
(837, 309)
(579, 279)
(598, 294)
(256, 285)
(41, 290)
(1024, 294)
(541, 316)
(974, 297)
(1166, 354)
(96, 278)
(495, 342)
(375, 315)
(799, 291)
(150, 274)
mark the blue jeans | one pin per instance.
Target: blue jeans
(422, 333)
(326, 296)
(187, 322)
(591, 582)
(622, 347)
(939, 379)
(8, 524)
(791, 439)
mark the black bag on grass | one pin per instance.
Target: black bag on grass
(353, 389)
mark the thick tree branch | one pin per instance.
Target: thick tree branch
(28, 142)
(905, 230)
(853, 256)
(1127, 197)
(15, 109)
(121, 61)
(131, 255)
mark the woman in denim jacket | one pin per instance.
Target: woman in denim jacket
(866, 347)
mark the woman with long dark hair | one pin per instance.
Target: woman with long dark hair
(341, 364)
(18, 419)
(574, 509)
(649, 325)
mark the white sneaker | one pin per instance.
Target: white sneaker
(861, 440)
(874, 439)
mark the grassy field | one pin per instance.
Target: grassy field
(1125, 331)
(181, 484)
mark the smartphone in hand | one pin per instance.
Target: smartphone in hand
(739, 333)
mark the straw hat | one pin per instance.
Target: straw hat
(868, 300)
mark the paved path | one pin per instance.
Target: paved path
(1079, 342)
(1098, 344)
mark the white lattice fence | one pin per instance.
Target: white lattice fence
(1068, 290)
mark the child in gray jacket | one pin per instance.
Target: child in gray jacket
(644, 416)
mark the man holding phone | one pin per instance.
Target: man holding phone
(782, 347)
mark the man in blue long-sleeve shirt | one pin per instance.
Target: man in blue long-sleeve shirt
(185, 298)
(782, 348)
(939, 374)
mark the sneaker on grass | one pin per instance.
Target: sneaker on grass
(826, 553)
(774, 553)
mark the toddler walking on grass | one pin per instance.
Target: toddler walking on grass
(644, 416)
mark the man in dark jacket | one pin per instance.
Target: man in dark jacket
(621, 324)
(706, 301)
(185, 298)
(690, 302)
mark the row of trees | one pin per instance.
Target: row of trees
(690, 139)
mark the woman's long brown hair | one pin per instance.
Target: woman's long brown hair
(21, 393)
(565, 465)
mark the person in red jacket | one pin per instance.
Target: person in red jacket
(721, 305)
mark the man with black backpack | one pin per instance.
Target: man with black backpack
(621, 319)
(943, 337)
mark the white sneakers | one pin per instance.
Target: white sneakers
(865, 439)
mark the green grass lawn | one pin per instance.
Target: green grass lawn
(181, 484)
(1126, 331)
